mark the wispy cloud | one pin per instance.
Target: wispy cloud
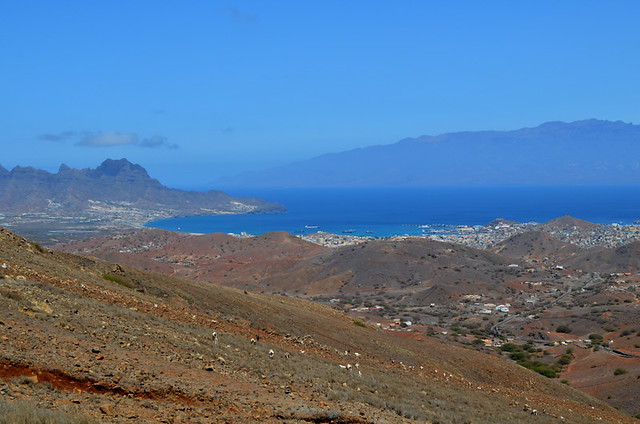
(109, 139)
(156, 142)
(63, 136)
(241, 16)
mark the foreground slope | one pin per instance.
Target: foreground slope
(446, 290)
(82, 335)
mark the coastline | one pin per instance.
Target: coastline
(52, 229)
(454, 214)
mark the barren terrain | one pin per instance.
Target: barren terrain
(81, 335)
(530, 289)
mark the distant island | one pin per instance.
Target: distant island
(117, 193)
(588, 152)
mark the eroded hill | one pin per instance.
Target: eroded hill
(536, 246)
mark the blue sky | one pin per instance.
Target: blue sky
(196, 90)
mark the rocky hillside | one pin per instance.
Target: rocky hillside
(112, 186)
(447, 290)
(247, 263)
(625, 258)
(282, 263)
(408, 266)
(83, 336)
(536, 246)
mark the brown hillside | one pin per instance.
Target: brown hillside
(536, 246)
(120, 345)
(283, 263)
(625, 258)
(218, 258)
(567, 224)
(412, 264)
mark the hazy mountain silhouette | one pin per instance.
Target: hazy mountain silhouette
(583, 152)
(114, 182)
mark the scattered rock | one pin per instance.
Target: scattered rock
(106, 409)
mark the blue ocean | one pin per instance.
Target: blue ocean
(383, 212)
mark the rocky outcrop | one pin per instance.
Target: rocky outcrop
(115, 183)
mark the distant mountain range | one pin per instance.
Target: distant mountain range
(113, 184)
(579, 153)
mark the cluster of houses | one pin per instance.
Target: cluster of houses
(488, 308)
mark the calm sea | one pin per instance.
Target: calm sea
(396, 211)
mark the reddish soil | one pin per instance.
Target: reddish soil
(144, 342)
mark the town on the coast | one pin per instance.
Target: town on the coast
(538, 290)
(484, 236)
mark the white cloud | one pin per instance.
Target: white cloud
(109, 138)
(63, 136)
(157, 141)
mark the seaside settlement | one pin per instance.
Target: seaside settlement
(484, 236)
(532, 308)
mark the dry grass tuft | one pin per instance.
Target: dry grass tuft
(21, 412)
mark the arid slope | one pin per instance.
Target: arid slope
(121, 345)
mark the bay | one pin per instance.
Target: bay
(384, 212)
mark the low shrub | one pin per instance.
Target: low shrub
(117, 280)
(565, 360)
(547, 370)
(596, 339)
(620, 371)
(38, 247)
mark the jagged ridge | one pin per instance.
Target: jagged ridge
(113, 183)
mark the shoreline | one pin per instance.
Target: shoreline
(51, 229)
(481, 236)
